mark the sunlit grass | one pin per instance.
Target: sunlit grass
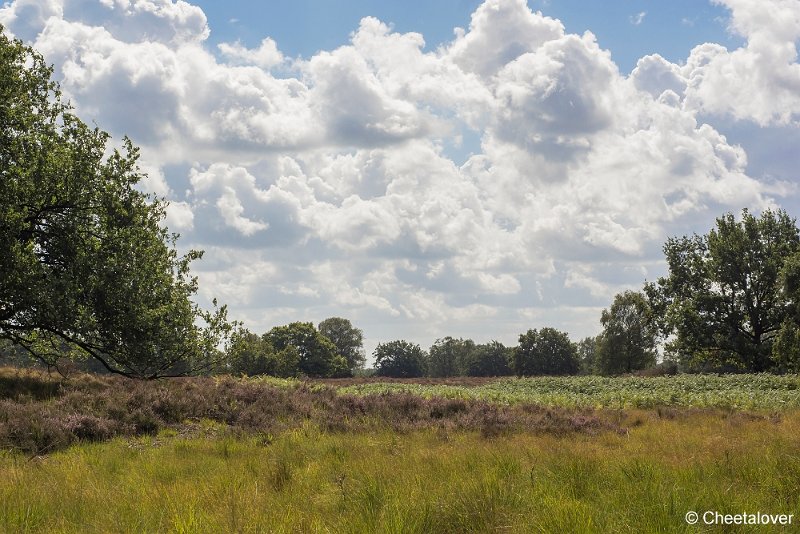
(304, 480)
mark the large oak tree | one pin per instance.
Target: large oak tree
(723, 303)
(399, 359)
(85, 264)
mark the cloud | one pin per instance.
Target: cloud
(180, 216)
(265, 56)
(759, 82)
(325, 187)
(638, 18)
(553, 100)
(654, 74)
(231, 209)
(130, 21)
(26, 18)
(499, 32)
(353, 106)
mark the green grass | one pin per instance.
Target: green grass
(746, 391)
(305, 480)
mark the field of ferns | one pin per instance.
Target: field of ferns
(742, 391)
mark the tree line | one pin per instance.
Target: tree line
(334, 349)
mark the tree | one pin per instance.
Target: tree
(449, 357)
(246, 354)
(545, 352)
(489, 359)
(85, 265)
(317, 354)
(349, 341)
(786, 348)
(251, 355)
(628, 340)
(399, 359)
(722, 300)
(587, 355)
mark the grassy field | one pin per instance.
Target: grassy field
(93, 454)
(306, 480)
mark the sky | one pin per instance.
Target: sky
(424, 169)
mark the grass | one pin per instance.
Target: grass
(308, 480)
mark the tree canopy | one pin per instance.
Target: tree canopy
(786, 348)
(587, 355)
(628, 340)
(348, 340)
(250, 354)
(317, 354)
(489, 359)
(545, 352)
(399, 359)
(449, 357)
(722, 301)
(85, 265)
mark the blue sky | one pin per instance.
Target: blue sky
(304, 27)
(515, 174)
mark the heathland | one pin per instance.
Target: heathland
(632, 454)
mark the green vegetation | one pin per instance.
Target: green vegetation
(450, 357)
(348, 340)
(545, 352)
(729, 294)
(285, 351)
(752, 392)
(318, 355)
(252, 355)
(335, 350)
(85, 266)
(489, 359)
(305, 480)
(628, 340)
(400, 359)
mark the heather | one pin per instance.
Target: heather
(41, 413)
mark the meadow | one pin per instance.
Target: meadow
(101, 454)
